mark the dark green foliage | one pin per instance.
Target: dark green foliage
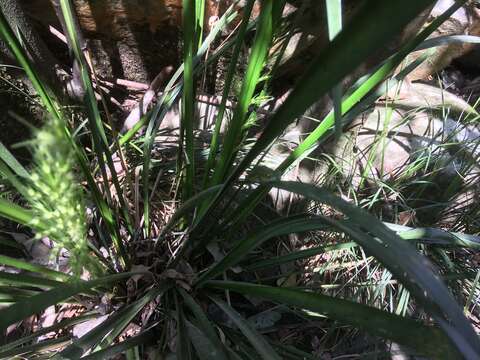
(191, 278)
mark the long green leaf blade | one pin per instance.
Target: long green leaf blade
(11, 349)
(12, 162)
(226, 90)
(424, 339)
(337, 60)
(43, 270)
(412, 269)
(281, 227)
(256, 339)
(103, 335)
(334, 21)
(348, 104)
(183, 341)
(217, 350)
(258, 55)
(37, 303)
(14, 212)
(188, 96)
(143, 338)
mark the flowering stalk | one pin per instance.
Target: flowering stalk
(56, 198)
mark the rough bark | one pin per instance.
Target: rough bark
(39, 53)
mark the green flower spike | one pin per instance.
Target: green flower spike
(56, 198)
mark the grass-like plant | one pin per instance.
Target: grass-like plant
(188, 266)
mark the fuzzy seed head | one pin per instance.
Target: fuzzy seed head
(55, 196)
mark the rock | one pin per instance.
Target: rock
(465, 21)
(387, 144)
(311, 37)
(419, 122)
(426, 149)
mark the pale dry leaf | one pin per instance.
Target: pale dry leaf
(83, 328)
